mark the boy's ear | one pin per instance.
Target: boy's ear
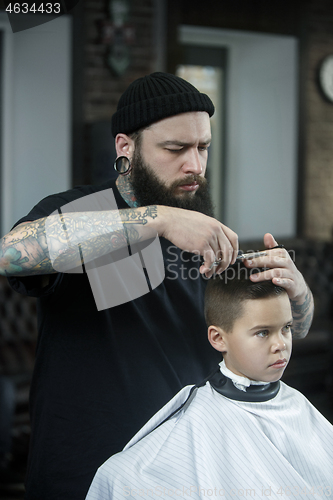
(124, 145)
(216, 337)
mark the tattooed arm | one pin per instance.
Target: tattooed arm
(51, 243)
(302, 310)
(282, 271)
(26, 250)
(302, 305)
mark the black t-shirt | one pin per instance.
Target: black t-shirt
(100, 375)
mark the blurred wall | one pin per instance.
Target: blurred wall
(310, 21)
(35, 115)
(102, 86)
(318, 115)
(261, 130)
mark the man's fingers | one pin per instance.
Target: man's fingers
(209, 257)
(269, 241)
(277, 276)
(269, 274)
(228, 243)
(195, 232)
(233, 242)
(279, 257)
(222, 251)
(284, 282)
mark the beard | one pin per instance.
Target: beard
(149, 190)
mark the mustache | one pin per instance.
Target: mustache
(190, 179)
(149, 190)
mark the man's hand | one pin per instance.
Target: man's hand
(200, 234)
(283, 272)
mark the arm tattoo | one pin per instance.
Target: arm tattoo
(302, 314)
(11, 260)
(25, 250)
(133, 216)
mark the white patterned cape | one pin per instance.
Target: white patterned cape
(215, 447)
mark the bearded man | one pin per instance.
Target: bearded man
(101, 374)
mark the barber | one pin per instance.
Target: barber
(101, 374)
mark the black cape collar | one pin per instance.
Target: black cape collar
(253, 394)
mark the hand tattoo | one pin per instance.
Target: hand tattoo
(302, 314)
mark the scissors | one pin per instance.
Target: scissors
(247, 256)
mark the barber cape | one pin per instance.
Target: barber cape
(226, 439)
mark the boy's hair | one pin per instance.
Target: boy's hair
(226, 292)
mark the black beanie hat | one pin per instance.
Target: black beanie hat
(155, 97)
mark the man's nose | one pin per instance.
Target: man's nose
(193, 162)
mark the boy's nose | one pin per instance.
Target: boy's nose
(279, 344)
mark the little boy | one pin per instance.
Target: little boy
(240, 433)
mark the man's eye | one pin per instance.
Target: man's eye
(203, 148)
(174, 150)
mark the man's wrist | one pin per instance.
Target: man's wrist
(304, 297)
(158, 222)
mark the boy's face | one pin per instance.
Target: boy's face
(259, 345)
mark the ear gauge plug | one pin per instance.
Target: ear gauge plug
(122, 165)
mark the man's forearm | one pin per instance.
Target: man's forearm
(34, 247)
(302, 311)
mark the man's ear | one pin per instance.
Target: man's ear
(124, 145)
(216, 337)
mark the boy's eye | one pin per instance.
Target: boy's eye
(262, 334)
(286, 328)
